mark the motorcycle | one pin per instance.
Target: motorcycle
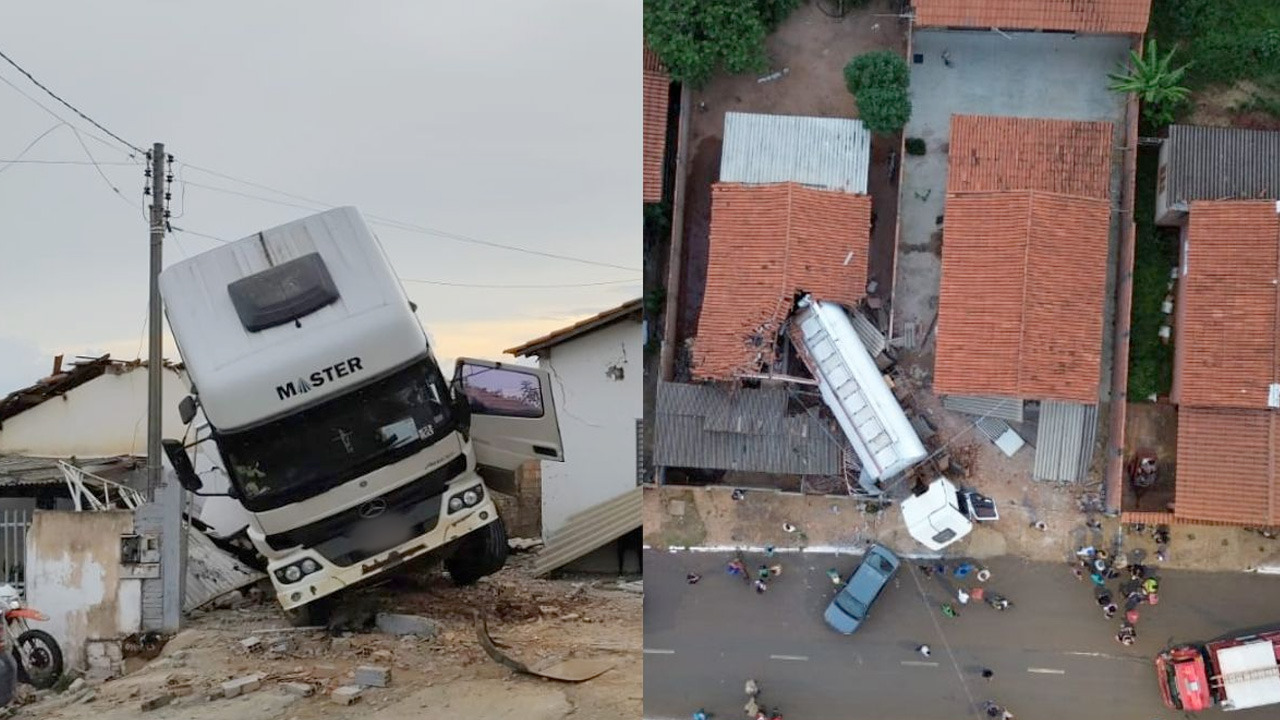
(38, 656)
(998, 602)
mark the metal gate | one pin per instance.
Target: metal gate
(13, 546)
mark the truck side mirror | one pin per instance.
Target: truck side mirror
(461, 406)
(182, 466)
(187, 410)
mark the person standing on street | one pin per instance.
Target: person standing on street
(752, 688)
(761, 586)
(692, 578)
(924, 650)
(987, 674)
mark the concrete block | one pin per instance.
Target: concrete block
(241, 685)
(346, 694)
(250, 644)
(114, 651)
(95, 650)
(298, 688)
(373, 676)
(282, 646)
(156, 701)
(76, 685)
(394, 624)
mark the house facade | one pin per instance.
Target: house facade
(597, 370)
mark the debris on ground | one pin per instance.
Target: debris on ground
(207, 672)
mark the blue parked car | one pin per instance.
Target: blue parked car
(850, 606)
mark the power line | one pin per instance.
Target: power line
(386, 221)
(25, 150)
(68, 105)
(105, 163)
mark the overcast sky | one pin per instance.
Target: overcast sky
(512, 122)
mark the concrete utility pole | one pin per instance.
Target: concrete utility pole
(155, 321)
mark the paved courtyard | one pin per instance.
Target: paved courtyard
(1045, 75)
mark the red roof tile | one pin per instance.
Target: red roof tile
(1226, 467)
(769, 242)
(1022, 295)
(1229, 323)
(657, 86)
(1003, 153)
(1086, 16)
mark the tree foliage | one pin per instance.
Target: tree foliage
(884, 110)
(1155, 81)
(882, 68)
(694, 38)
(879, 81)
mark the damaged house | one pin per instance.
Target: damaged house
(790, 229)
(590, 503)
(80, 535)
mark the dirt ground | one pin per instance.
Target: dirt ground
(447, 676)
(1218, 106)
(813, 49)
(1152, 426)
(676, 517)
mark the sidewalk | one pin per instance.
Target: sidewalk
(708, 517)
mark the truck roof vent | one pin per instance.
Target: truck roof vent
(283, 293)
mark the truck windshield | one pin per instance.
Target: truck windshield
(316, 449)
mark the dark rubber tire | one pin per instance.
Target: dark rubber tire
(481, 553)
(50, 657)
(316, 612)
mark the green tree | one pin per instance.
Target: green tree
(882, 68)
(884, 110)
(1155, 81)
(696, 37)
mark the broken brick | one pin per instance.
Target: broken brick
(157, 701)
(251, 643)
(346, 694)
(300, 689)
(373, 676)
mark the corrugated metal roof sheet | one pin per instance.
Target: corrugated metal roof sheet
(985, 406)
(768, 243)
(1021, 300)
(855, 391)
(1227, 466)
(1085, 16)
(211, 571)
(590, 529)
(692, 430)
(827, 153)
(1229, 331)
(990, 153)
(868, 333)
(1214, 163)
(1065, 438)
(657, 90)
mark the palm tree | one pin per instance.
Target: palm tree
(1153, 79)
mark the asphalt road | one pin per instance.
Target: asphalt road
(1054, 654)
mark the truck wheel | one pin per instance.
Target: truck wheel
(481, 553)
(316, 612)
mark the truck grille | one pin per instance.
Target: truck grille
(416, 503)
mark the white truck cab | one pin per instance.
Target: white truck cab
(336, 429)
(936, 518)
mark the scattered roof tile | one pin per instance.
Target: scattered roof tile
(1085, 16)
(1229, 325)
(1071, 157)
(769, 242)
(1227, 466)
(1022, 296)
(657, 86)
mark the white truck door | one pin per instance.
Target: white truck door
(513, 414)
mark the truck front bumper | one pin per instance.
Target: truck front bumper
(331, 578)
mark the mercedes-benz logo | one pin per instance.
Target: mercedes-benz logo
(373, 508)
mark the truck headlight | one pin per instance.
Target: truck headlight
(470, 497)
(293, 572)
(455, 503)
